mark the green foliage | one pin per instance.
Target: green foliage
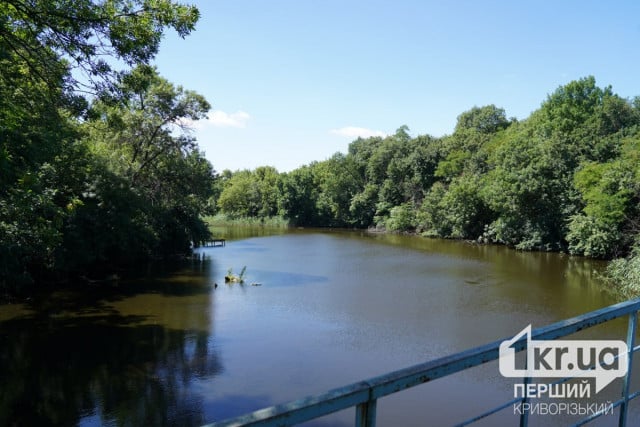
(572, 106)
(467, 150)
(239, 196)
(624, 273)
(528, 189)
(41, 163)
(147, 125)
(222, 220)
(581, 115)
(85, 190)
(488, 120)
(144, 144)
(338, 181)
(86, 33)
(364, 205)
(250, 193)
(298, 194)
(453, 164)
(466, 211)
(432, 220)
(110, 226)
(455, 211)
(609, 191)
(401, 218)
(592, 237)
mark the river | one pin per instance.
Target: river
(332, 307)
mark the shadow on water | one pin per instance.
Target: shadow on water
(246, 231)
(283, 278)
(232, 405)
(108, 356)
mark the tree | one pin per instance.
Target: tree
(299, 196)
(529, 191)
(610, 191)
(51, 52)
(489, 119)
(149, 185)
(582, 115)
(431, 218)
(467, 150)
(531, 186)
(338, 181)
(251, 193)
(240, 196)
(86, 33)
(151, 121)
(40, 166)
(268, 179)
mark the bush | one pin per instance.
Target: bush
(624, 273)
(589, 237)
(401, 218)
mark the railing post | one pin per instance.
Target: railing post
(524, 416)
(631, 343)
(366, 413)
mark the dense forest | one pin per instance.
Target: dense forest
(97, 169)
(567, 178)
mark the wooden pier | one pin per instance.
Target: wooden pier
(215, 242)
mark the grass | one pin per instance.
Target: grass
(226, 220)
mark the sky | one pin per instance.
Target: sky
(295, 81)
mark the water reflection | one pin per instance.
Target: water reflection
(284, 278)
(114, 357)
(247, 231)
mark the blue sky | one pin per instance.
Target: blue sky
(292, 81)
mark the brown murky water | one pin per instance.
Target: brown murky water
(332, 308)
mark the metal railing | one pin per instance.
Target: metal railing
(364, 395)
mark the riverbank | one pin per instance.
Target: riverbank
(223, 220)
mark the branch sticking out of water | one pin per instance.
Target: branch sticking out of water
(232, 278)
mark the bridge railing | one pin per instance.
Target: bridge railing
(364, 395)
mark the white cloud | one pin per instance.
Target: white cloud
(355, 132)
(218, 119)
(221, 119)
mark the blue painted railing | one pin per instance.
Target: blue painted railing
(364, 395)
